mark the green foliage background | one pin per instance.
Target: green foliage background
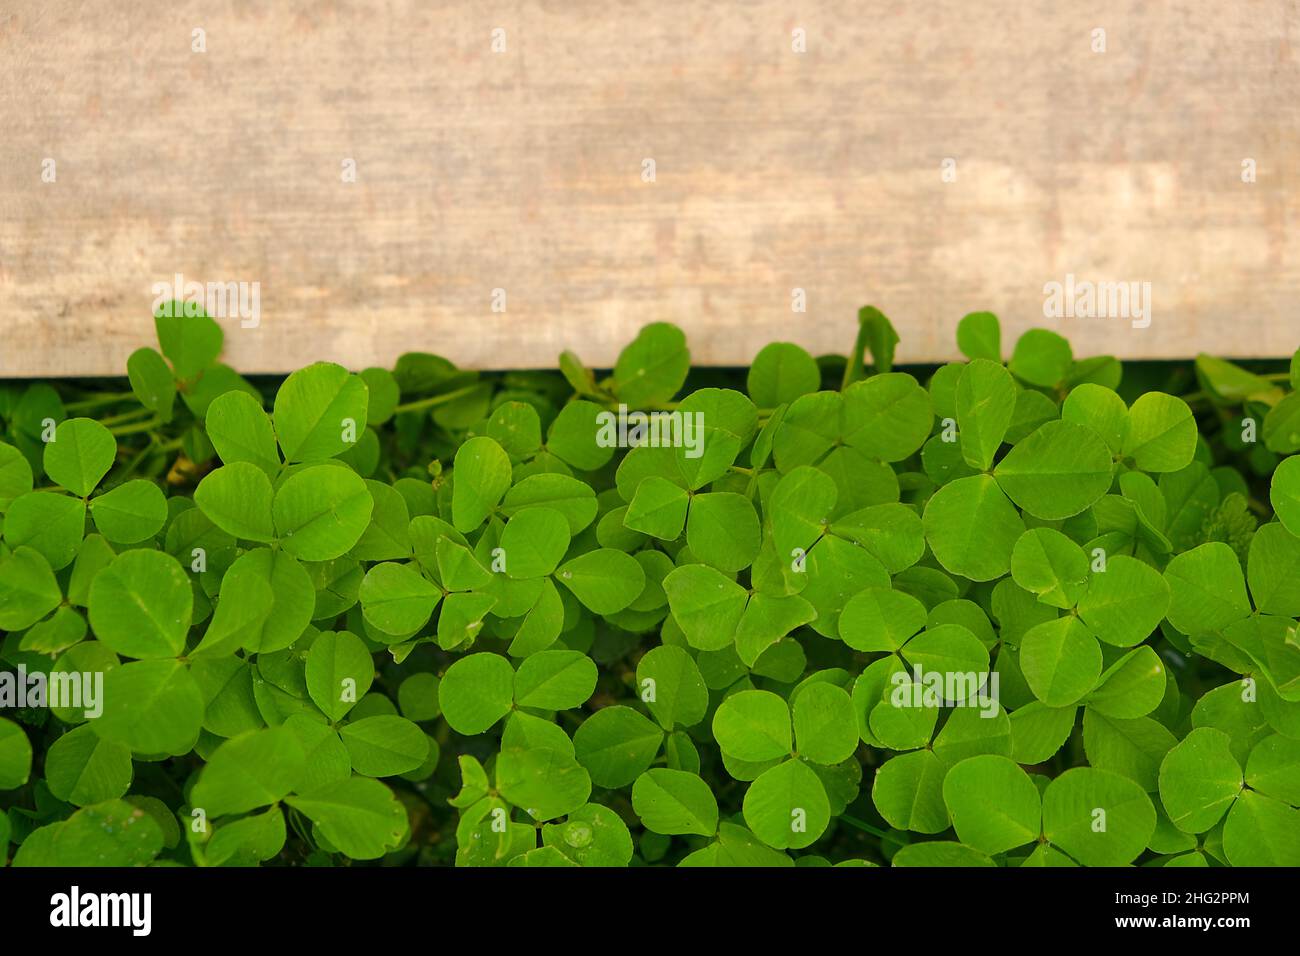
(421, 616)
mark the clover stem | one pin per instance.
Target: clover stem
(436, 399)
(125, 417)
(864, 826)
(97, 399)
(172, 445)
(149, 425)
(134, 463)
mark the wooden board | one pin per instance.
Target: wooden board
(522, 170)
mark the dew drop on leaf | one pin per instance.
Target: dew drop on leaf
(577, 835)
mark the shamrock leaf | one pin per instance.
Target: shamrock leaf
(616, 745)
(360, 816)
(675, 802)
(80, 455)
(476, 692)
(994, 805)
(1097, 817)
(1199, 780)
(481, 477)
(141, 605)
(321, 512)
(973, 528)
(317, 409)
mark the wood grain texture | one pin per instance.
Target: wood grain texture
(521, 170)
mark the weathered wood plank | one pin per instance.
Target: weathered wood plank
(522, 170)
